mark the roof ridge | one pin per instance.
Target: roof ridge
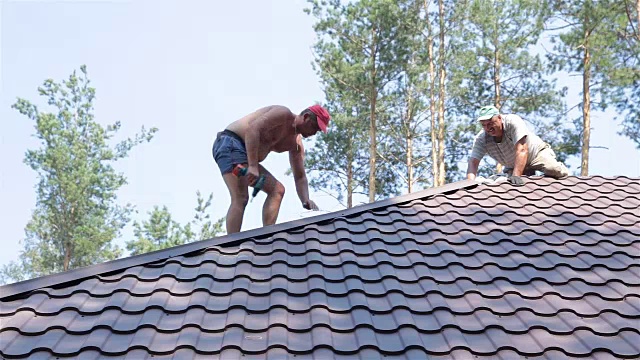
(16, 290)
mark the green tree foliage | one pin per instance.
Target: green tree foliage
(161, 231)
(628, 75)
(591, 42)
(204, 227)
(441, 29)
(405, 125)
(339, 162)
(76, 215)
(358, 54)
(497, 64)
(404, 145)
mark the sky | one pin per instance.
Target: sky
(188, 68)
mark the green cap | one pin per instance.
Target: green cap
(487, 112)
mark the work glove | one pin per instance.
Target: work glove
(515, 180)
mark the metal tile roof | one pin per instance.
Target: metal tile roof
(550, 270)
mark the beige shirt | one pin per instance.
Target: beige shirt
(504, 152)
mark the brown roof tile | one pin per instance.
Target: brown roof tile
(550, 270)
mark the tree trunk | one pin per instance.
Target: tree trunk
(586, 107)
(69, 219)
(408, 118)
(496, 79)
(441, 58)
(496, 86)
(409, 164)
(372, 148)
(432, 101)
(372, 126)
(67, 257)
(638, 19)
(350, 181)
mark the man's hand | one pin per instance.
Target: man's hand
(310, 205)
(515, 180)
(252, 175)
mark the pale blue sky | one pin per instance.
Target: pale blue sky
(188, 68)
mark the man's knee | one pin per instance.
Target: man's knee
(547, 163)
(240, 200)
(557, 170)
(563, 171)
(278, 190)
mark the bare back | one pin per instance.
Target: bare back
(275, 128)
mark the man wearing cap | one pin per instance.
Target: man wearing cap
(249, 140)
(507, 139)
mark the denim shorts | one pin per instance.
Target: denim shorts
(228, 151)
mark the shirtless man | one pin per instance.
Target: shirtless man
(249, 140)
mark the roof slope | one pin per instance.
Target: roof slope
(549, 270)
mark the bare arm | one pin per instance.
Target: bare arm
(522, 152)
(252, 142)
(296, 159)
(472, 168)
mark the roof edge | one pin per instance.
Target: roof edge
(16, 290)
